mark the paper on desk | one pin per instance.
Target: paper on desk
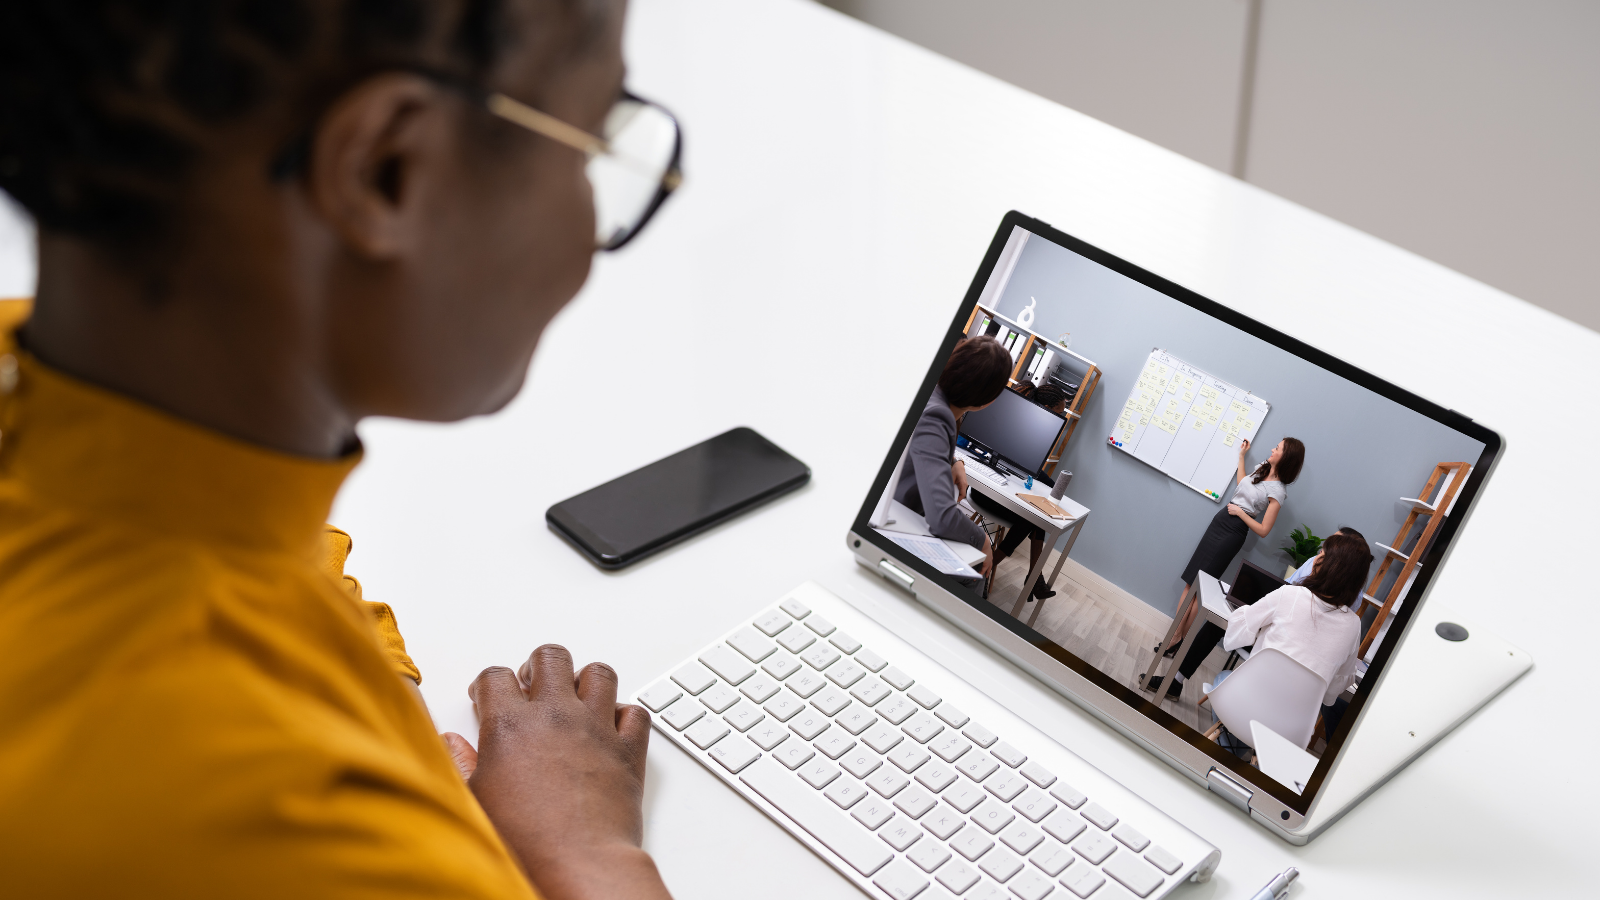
(933, 551)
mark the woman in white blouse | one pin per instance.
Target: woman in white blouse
(1312, 623)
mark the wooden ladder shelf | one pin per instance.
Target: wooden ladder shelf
(1442, 487)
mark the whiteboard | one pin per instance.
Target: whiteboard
(1188, 423)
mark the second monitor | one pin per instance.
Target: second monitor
(1019, 431)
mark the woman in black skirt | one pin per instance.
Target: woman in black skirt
(1253, 508)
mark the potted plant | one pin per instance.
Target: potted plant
(1303, 545)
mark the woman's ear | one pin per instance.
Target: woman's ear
(382, 149)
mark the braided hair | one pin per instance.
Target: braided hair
(106, 106)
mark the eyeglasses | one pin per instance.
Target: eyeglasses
(633, 165)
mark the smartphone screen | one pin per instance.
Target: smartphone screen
(651, 508)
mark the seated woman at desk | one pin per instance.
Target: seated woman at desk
(933, 481)
(1253, 509)
(1054, 399)
(1311, 623)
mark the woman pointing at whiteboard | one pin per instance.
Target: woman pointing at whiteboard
(1254, 508)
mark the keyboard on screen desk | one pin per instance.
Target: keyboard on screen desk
(881, 770)
(986, 473)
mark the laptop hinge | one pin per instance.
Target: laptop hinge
(1229, 788)
(894, 575)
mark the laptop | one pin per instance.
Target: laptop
(836, 719)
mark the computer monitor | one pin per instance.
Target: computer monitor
(1019, 431)
(1252, 583)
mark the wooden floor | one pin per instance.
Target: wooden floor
(1097, 624)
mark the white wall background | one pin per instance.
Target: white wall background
(1467, 131)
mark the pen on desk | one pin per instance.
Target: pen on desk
(1277, 887)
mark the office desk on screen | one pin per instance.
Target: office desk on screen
(1053, 528)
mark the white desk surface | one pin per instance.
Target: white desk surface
(842, 187)
(1006, 494)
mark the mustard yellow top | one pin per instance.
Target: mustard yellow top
(190, 706)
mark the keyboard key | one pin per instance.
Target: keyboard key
(900, 881)
(860, 762)
(1130, 838)
(819, 773)
(682, 714)
(744, 716)
(809, 723)
(806, 683)
(908, 756)
(795, 608)
(1008, 754)
(1064, 826)
(820, 625)
(657, 696)
(977, 766)
(1082, 880)
(1021, 837)
(949, 746)
(870, 691)
(719, 698)
(1031, 885)
(902, 833)
(953, 717)
(873, 812)
(796, 639)
(760, 688)
(897, 678)
(992, 815)
(1034, 805)
(1135, 874)
(784, 706)
(694, 678)
(887, 781)
(928, 855)
(965, 796)
(957, 876)
(980, 735)
(749, 642)
(914, 802)
(1000, 865)
(735, 753)
(794, 754)
(706, 732)
(844, 642)
(896, 710)
(856, 719)
(922, 727)
(835, 742)
(1099, 815)
(845, 792)
(1038, 774)
(925, 698)
(935, 776)
(971, 843)
(881, 737)
(1051, 857)
(781, 666)
(830, 700)
(1068, 794)
(846, 673)
(820, 656)
(768, 734)
(1094, 847)
(731, 666)
(943, 822)
(818, 817)
(872, 661)
(1005, 784)
(771, 622)
(988, 890)
(1163, 859)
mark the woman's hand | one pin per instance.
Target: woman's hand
(560, 771)
(1234, 510)
(958, 471)
(1244, 447)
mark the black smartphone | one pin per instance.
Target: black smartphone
(652, 508)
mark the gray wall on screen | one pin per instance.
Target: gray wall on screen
(1363, 452)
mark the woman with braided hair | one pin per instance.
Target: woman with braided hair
(260, 222)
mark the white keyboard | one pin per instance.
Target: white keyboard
(986, 473)
(871, 759)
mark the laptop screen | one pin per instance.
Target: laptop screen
(1185, 438)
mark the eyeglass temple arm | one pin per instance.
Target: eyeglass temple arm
(545, 124)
